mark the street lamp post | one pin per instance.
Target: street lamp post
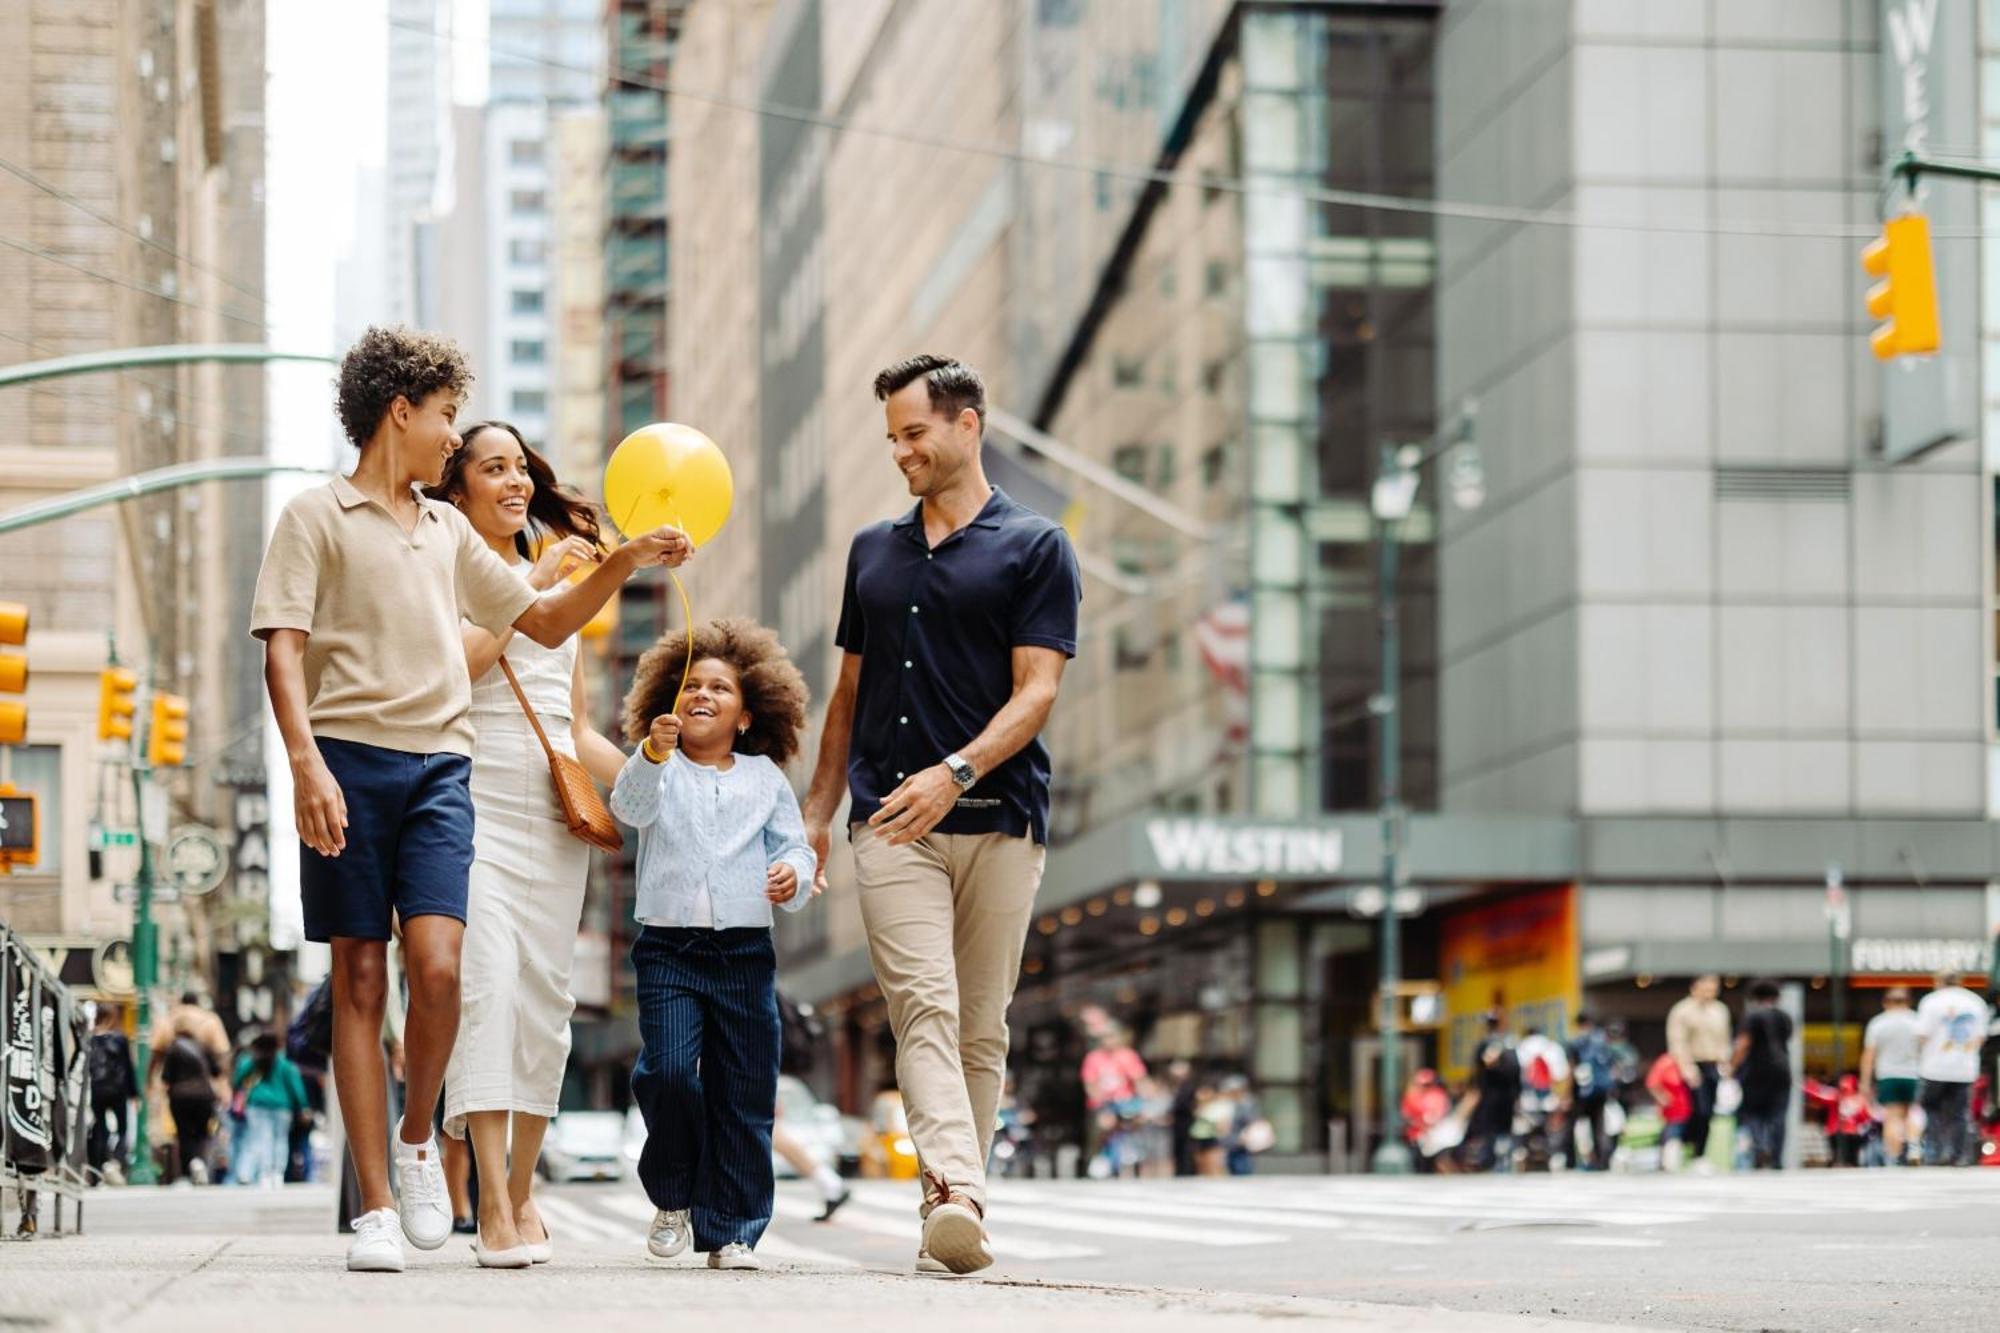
(1397, 477)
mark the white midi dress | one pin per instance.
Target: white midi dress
(524, 901)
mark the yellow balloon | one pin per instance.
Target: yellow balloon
(669, 475)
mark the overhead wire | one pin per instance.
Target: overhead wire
(1273, 186)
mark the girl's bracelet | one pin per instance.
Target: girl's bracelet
(646, 748)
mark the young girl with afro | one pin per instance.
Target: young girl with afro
(721, 843)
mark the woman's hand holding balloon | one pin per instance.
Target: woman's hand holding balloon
(662, 546)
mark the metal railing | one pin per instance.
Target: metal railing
(45, 1085)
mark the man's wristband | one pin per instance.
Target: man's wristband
(646, 748)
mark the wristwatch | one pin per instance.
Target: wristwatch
(961, 772)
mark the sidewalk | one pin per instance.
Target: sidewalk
(166, 1284)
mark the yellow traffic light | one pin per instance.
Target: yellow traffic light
(114, 703)
(166, 739)
(1906, 297)
(13, 674)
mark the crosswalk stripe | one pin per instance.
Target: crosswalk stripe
(575, 1220)
(777, 1247)
(1445, 1211)
(1200, 1212)
(1038, 1214)
(858, 1217)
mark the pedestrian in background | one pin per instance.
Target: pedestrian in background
(1762, 1061)
(190, 1061)
(1889, 1069)
(269, 1097)
(1593, 1081)
(1952, 1026)
(1497, 1090)
(1698, 1039)
(1668, 1087)
(1180, 1116)
(113, 1085)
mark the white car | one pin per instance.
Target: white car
(830, 1138)
(585, 1145)
(816, 1126)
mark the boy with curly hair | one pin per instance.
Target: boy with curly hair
(721, 841)
(359, 605)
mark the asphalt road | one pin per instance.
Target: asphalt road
(1816, 1250)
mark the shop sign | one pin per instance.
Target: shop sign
(1518, 954)
(1197, 847)
(1909, 957)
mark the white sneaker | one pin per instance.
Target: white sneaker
(669, 1233)
(735, 1256)
(420, 1193)
(377, 1246)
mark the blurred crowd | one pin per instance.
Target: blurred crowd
(1595, 1102)
(241, 1112)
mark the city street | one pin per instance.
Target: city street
(1808, 1251)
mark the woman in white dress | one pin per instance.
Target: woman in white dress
(526, 893)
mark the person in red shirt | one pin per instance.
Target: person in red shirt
(1425, 1104)
(1669, 1088)
(1849, 1120)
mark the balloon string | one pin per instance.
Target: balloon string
(687, 607)
(687, 667)
(687, 613)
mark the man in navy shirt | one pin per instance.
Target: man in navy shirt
(956, 622)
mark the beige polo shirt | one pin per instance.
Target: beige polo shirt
(385, 663)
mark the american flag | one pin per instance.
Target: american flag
(1222, 637)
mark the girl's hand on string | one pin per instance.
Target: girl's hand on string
(665, 737)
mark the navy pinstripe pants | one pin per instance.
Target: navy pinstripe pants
(707, 1077)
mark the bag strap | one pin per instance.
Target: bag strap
(527, 708)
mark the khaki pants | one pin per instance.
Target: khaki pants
(947, 917)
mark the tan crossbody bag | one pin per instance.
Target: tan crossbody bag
(583, 809)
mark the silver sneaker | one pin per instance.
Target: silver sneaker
(669, 1233)
(736, 1257)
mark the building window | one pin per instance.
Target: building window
(527, 252)
(1127, 373)
(528, 203)
(1129, 462)
(528, 351)
(530, 402)
(528, 301)
(525, 152)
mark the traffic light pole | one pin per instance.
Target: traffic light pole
(145, 959)
(145, 974)
(1392, 1155)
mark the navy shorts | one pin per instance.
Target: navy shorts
(409, 842)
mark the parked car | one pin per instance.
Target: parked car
(585, 1145)
(817, 1126)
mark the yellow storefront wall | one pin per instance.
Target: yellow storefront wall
(1518, 954)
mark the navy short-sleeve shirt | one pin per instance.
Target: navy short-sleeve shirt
(935, 631)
